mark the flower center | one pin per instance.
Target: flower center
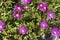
(54, 32)
(44, 7)
(19, 8)
(51, 15)
(17, 15)
(23, 32)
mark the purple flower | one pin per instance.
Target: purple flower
(23, 30)
(51, 15)
(18, 7)
(2, 25)
(54, 32)
(44, 24)
(43, 6)
(26, 1)
(17, 15)
(59, 32)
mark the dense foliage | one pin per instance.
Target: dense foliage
(31, 21)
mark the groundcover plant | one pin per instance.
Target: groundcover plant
(29, 19)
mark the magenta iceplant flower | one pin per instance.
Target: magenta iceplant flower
(25, 2)
(54, 32)
(2, 25)
(18, 7)
(23, 30)
(59, 32)
(51, 15)
(17, 15)
(43, 6)
(44, 24)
